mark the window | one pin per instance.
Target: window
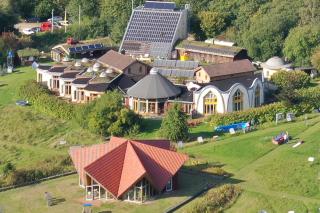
(169, 186)
(68, 88)
(210, 104)
(257, 97)
(140, 69)
(238, 101)
(129, 70)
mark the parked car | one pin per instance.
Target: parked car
(36, 29)
(28, 31)
(64, 23)
(55, 19)
(32, 20)
(46, 26)
(56, 25)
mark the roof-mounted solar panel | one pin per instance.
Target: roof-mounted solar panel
(160, 5)
(72, 50)
(98, 46)
(85, 47)
(78, 49)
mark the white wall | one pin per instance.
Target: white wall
(199, 97)
(246, 101)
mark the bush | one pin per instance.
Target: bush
(107, 116)
(174, 125)
(42, 99)
(216, 199)
(46, 168)
(291, 80)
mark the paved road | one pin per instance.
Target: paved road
(21, 26)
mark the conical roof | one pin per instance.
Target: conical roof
(154, 86)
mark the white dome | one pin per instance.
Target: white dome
(85, 60)
(96, 67)
(109, 71)
(89, 70)
(77, 64)
(103, 75)
(275, 63)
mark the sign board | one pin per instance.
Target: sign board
(279, 117)
(290, 116)
(180, 144)
(232, 131)
(200, 139)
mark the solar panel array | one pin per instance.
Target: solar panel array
(85, 48)
(175, 73)
(152, 26)
(176, 64)
(160, 5)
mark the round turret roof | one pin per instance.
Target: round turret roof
(154, 86)
(275, 63)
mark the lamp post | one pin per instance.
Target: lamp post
(52, 20)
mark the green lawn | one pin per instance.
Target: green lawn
(274, 178)
(31, 198)
(10, 84)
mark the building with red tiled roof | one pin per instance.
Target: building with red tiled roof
(132, 170)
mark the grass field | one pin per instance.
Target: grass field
(31, 199)
(274, 178)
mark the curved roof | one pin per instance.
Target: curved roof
(275, 63)
(154, 86)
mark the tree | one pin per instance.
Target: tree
(89, 8)
(174, 125)
(310, 12)
(212, 23)
(300, 44)
(107, 116)
(291, 80)
(44, 8)
(268, 28)
(315, 60)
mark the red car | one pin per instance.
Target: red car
(45, 26)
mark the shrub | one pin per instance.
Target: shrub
(107, 116)
(291, 80)
(216, 199)
(46, 168)
(174, 125)
(42, 99)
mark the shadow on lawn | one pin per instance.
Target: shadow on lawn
(151, 125)
(3, 85)
(57, 200)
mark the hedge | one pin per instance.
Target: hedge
(307, 99)
(216, 199)
(42, 100)
(262, 114)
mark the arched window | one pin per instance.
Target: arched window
(257, 96)
(210, 104)
(238, 101)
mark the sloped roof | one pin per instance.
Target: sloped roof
(116, 60)
(229, 68)
(154, 86)
(126, 161)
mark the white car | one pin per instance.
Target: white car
(64, 23)
(28, 31)
(55, 19)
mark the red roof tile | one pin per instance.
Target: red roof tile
(126, 162)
